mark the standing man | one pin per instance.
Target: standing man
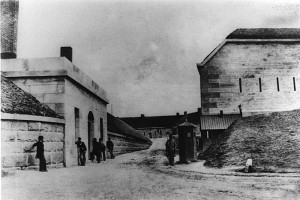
(40, 153)
(102, 149)
(81, 149)
(110, 147)
(170, 149)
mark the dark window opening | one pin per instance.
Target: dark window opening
(260, 84)
(278, 89)
(240, 84)
(76, 112)
(294, 81)
(101, 128)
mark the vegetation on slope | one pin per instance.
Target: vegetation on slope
(272, 140)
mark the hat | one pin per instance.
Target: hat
(41, 137)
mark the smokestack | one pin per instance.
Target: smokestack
(66, 52)
(9, 28)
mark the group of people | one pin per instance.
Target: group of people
(98, 149)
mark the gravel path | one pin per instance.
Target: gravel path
(142, 175)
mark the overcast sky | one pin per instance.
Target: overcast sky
(143, 53)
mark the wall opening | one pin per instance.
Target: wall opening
(278, 89)
(294, 82)
(101, 128)
(90, 132)
(76, 113)
(259, 80)
(240, 84)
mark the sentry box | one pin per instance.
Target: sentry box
(187, 142)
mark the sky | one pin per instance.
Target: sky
(143, 52)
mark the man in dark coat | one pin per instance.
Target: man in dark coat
(40, 153)
(110, 147)
(170, 149)
(102, 149)
(81, 149)
(97, 151)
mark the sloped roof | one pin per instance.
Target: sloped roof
(255, 34)
(116, 125)
(154, 121)
(265, 33)
(216, 122)
(16, 101)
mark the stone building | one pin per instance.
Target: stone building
(59, 84)
(23, 119)
(256, 69)
(154, 126)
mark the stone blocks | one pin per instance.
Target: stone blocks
(17, 138)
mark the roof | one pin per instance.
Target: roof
(216, 122)
(16, 101)
(256, 35)
(187, 124)
(151, 122)
(116, 125)
(52, 67)
(265, 33)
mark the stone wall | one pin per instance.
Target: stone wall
(155, 132)
(20, 132)
(261, 77)
(123, 144)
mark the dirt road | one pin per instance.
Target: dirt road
(142, 175)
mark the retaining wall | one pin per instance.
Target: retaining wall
(124, 144)
(20, 132)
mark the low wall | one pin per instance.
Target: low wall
(20, 132)
(124, 144)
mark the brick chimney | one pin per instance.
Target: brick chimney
(66, 52)
(9, 28)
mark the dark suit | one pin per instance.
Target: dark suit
(40, 155)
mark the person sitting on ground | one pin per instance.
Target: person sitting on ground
(110, 147)
(248, 167)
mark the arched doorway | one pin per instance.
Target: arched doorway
(90, 132)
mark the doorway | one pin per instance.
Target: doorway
(90, 133)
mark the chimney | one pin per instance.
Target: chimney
(199, 111)
(177, 114)
(66, 52)
(9, 28)
(221, 113)
(142, 115)
(185, 113)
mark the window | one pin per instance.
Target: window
(240, 84)
(278, 89)
(259, 81)
(101, 128)
(76, 113)
(294, 82)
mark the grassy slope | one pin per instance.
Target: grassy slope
(273, 140)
